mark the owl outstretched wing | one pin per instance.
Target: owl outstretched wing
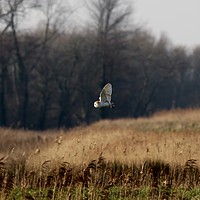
(106, 93)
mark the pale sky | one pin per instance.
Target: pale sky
(178, 19)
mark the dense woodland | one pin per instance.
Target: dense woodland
(51, 75)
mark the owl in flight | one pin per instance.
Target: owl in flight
(105, 97)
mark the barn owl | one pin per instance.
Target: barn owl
(105, 97)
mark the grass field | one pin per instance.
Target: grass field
(145, 158)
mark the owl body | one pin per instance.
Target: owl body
(105, 97)
(100, 104)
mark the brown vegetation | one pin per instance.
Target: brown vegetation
(172, 137)
(155, 157)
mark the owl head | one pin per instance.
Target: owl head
(96, 104)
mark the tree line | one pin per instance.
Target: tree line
(50, 76)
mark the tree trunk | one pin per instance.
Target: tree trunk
(22, 88)
(3, 120)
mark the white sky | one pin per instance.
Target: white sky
(178, 19)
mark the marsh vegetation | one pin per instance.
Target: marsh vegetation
(147, 158)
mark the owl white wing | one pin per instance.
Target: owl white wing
(106, 93)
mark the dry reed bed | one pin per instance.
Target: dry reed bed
(172, 137)
(155, 157)
(17, 142)
(99, 179)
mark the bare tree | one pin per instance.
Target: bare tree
(6, 59)
(110, 19)
(15, 9)
(55, 17)
(27, 59)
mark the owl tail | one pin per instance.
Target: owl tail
(112, 105)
